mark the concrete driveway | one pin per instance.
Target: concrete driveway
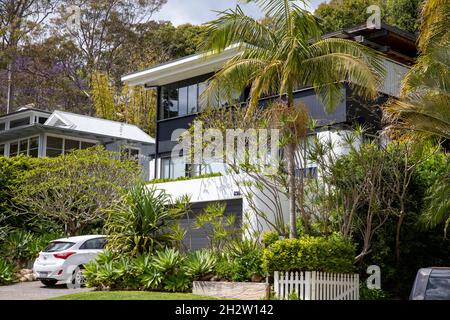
(35, 291)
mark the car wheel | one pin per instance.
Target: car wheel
(78, 279)
(49, 283)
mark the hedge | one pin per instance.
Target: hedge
(332, 254)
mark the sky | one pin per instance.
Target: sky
(201, 11)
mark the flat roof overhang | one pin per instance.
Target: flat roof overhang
(181, 69)
(395, 43)
(34, 129)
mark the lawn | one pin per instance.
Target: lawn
(131, 295)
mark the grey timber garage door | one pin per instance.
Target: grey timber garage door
(198, 238)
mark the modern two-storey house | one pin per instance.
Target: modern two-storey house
(39, 133)
(180, 83)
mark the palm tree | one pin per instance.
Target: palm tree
(284, 52)
(423, 109)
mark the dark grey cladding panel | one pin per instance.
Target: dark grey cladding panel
(166, 146)
(317, 109)
(198, 238)
(165, 128)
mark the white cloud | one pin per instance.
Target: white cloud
(201, 11)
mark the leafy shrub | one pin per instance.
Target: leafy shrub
(269, 238)
(221, 227)
(6, 271)
(199, 264)
(332, 254)
(145, 221)
(164, 270)
(240, 261)
(371, 294)
(16, 246)
(23, 246)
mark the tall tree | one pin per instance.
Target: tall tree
(288, 54)
(423, 110)
(101, 30)
(340, 14)
(18, 19)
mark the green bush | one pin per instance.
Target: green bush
(164, 270)
(6, 271)
(145, 221)
(371, 294)
(240, 261)
(269, 238)
(332, 254)
(23, 246)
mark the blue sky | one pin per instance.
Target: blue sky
(200, 11)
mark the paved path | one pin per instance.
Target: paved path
(35, 291)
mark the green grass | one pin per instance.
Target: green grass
(131, 295)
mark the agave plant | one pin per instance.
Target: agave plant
(17, 245)
(199, 264)
(177, 282)
(152, 279)
(167, 260)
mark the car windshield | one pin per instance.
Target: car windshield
(58, 246)
(438, 288)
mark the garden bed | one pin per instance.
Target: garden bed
(232, 290)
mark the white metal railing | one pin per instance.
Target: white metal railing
(312, 285)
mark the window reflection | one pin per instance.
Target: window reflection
(183, 101)
(185, 98)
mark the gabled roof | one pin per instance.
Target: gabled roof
(97, 126)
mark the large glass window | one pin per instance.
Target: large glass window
(13, 149)
(201, 88)
(86, 145)
(2, 150)
(23, 146)
(28, 146)
(19, 123)
(54, 146)
(183, 101)
(169, 102)
(165, 168)
(71, 144)
(184, 98)
(57, 146)
(173, 168)
(33, 147)
(193, 98)
(2, 126)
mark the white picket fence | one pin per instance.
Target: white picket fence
(312, 285)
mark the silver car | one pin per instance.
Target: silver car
(63, 259)
(431, 284)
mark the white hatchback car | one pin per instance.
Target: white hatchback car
(63, 259)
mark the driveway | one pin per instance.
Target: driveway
(35, 291)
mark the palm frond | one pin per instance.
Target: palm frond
(233, 26)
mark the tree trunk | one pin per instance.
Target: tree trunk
(397, 235)
(9, 88)
(292, 192)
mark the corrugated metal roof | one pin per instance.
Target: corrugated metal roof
(99, 126)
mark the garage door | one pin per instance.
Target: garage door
(198, 238)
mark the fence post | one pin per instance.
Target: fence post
(276, 284)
